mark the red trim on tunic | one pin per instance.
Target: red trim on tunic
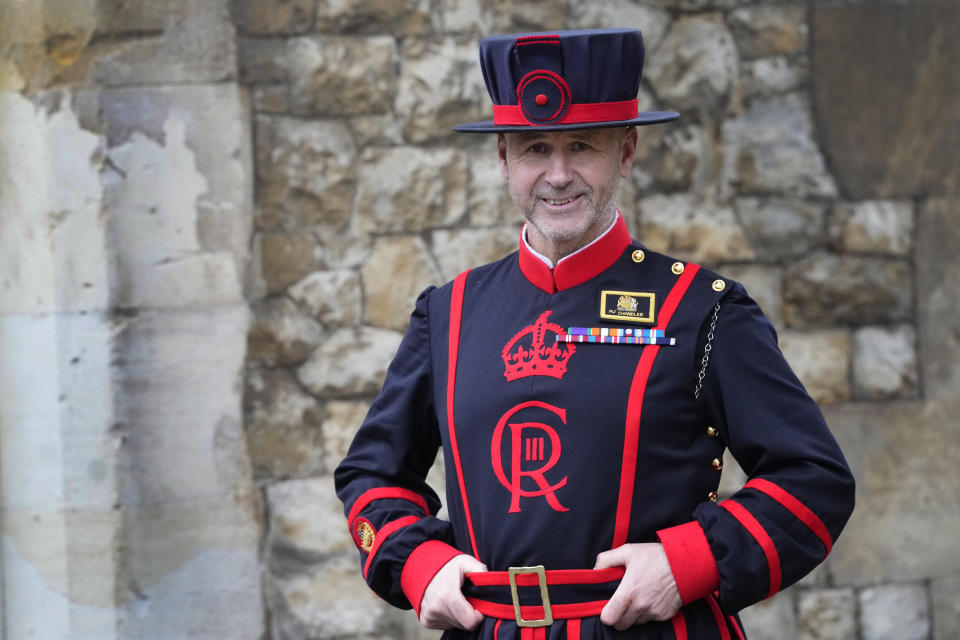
(512, 114)
(679, 623)
(580, 266)
(797, 508)
(421, 566)
(718, 616)
(736, 628)
(383, 534)
(691, 560)
(456, 313)
(381, 493)
(496, 630)
(573, 629)
(631, 437)
(759, 534)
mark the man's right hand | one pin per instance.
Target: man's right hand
(443, 605)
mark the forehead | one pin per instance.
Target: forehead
(559, 137)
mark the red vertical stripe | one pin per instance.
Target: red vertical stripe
(736, 627)
(679, 625)
(797, 508)
(628, 470)
(759, 534)
(456, 314)
(718, 616)
(573, 629)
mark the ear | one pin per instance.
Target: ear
(502, 155)
(628, 147)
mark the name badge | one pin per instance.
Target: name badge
(628, 306)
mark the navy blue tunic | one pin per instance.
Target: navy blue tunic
(557, 451)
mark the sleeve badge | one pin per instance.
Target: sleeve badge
(364, 534)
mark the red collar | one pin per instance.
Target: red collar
(578, 267)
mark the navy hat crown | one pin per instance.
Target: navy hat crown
(564, 80)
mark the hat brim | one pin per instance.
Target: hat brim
(643, 118)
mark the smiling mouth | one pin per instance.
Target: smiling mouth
(559, 202)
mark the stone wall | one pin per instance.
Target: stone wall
(169, 170)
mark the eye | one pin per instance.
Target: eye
(537, 147)
(580, 146)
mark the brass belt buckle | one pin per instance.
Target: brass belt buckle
(547, 619)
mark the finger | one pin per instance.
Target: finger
(615, 609)
(613, 558)
(465, 616)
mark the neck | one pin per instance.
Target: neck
(556, 249)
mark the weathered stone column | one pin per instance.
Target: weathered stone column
(128, 509)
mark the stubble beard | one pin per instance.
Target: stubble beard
(573, 237)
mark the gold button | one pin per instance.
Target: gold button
(638, 255)
(677, 268)
(712, 496)
(712, 432)
(719, 285)
(717, 464)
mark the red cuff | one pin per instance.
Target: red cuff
(421, 566)
(693, 565)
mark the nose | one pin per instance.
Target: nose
(559, 173)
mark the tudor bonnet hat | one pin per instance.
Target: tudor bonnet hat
(564, 80)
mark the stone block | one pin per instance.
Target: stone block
(876, 147)
(945, 608)
(262, 60)
(895, 612)
(602, 14)
(305, 174)
(395, 273)
(350, 362)
(286, 258)
(489, 200)
(465, 16)
(271, 99)
(440, 86)
(907, 483)
(885, 362)
(772, 619)
(821, 359)
(767, 77)
(282, 426)
(771, 149)
(197, 45)
(692, 229)
(342, 76)
(938, 306)
(698, 5)
(763, 284)
(376, 130)
(341, 419)
(55, 254)
(874, 226)
(766, 30)
(332, 297)
(329, 601)
(696, 66)
(781, 229)
(826, 614)
(827, 289)
(517, 15)
(409, 189)
(398, 17)
(457, 250)
(281, 334)
(686, 160)
(307, 524)
(274, 17)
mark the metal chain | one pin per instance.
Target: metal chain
(706, 353)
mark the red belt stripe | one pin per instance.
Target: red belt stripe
(553, 577)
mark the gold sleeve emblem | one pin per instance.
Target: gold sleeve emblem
(365, 535)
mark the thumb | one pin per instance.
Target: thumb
(611, 558)
(469, 564)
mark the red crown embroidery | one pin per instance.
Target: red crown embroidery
(531, 357)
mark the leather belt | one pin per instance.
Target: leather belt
(577, 603)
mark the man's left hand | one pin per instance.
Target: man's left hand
(647, 591)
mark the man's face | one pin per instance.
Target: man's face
(565, 183)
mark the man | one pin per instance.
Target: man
(584, 389)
